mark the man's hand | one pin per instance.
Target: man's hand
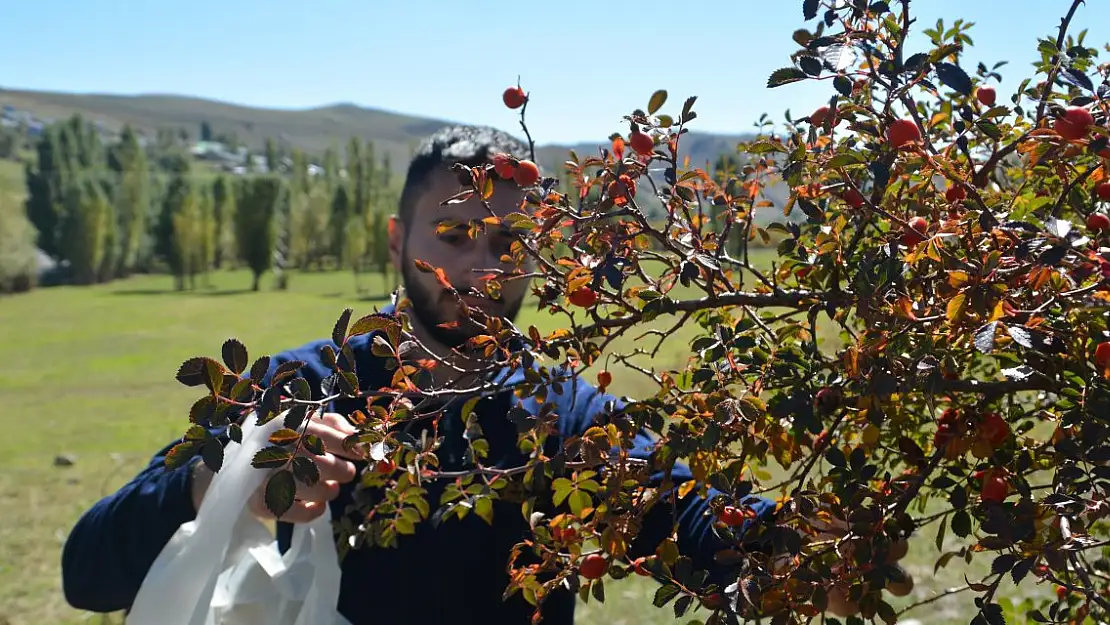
(334, 465)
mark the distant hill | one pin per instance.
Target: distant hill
(312, 129)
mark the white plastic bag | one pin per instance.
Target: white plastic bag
(207, 575)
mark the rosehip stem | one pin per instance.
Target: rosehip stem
(1056, 63)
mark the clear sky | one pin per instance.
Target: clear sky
(586, 63)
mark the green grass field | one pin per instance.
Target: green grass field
(88, 373)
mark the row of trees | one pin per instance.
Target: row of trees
(108, 211)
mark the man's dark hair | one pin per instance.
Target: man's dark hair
(469, 145)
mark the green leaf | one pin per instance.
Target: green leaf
(305, 470)
(235, 433)
(811, 210)
(284, 436)
(215, 375)
(598, 590)
(989, 128)
(235, 355)
(271, 457)
(203, 409)
(843, 85)
(484, 509)
(259, 369)
(562, 487)
(212, 453)
(301, 389)
(961, 524)
(846, 158)
(785, 76)
(194, 372)
(281, 488)
(313, 444)
(658, 99)
(682, 605)
(665, 594)
(809, 9)
(285, 371)
(295, 416)
(181, 453)
(940, 533)
(374, 323)
(954, 77)
(340, 329)
(579, 500)
(327, 354)
(242, 391)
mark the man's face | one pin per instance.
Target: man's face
(462, 258)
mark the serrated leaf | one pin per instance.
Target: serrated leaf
(843, 85)
(809, 9)
(682, 605)
(340, 330)
(579, 501)
(235, 433)
(846, 158)
(235, 355)
(194, 371)
(961, 524)
(1020, 372)
(259, 369)
(284, 436)
(989, 128)
(281, 489)
(665, 594)
(984, 337)
(212, 453)
(1077, 78)
(300, 389)
(483, 507)
(374, 323)
(956, 306)
(305, 470)
(295, 416)
(214, 379)
(839, 57)
(203, 409)
(658, 99)
(810, 65)
(285, 371)
(181, 453)
(811, 210)
(327, 355)
(785, 76)
(597, 589)
(1021, 336)
(954, 77)
(271, 457)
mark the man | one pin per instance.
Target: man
(455, 572)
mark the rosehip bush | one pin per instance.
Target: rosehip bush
(944, 239)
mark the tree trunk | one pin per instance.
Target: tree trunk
(257, 278)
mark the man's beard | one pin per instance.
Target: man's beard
(428, 311)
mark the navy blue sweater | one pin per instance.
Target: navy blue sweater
(455, 572)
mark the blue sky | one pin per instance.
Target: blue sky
(586, 63)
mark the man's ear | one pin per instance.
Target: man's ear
(396, 240)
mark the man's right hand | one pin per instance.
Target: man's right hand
(335, 469)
